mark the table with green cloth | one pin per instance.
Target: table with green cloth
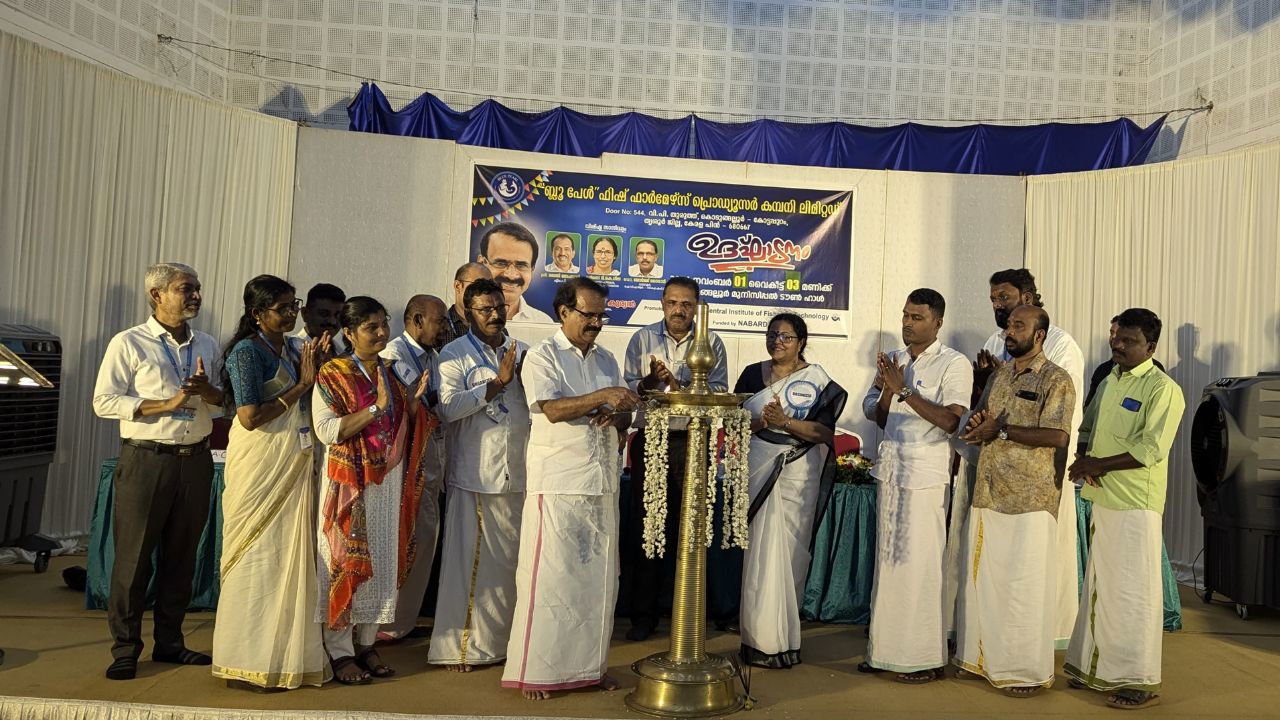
(1172, 601)
(204, 594)
(838, 589)
(841, 574)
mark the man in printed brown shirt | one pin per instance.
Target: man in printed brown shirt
(1009, 587)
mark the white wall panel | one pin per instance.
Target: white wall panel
(388, 216)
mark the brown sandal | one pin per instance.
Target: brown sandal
(376, 667)
(342, 666)
(1026, 691)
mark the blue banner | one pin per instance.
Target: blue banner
(755, 251)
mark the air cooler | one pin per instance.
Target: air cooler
(30, 370)
(1235, 453)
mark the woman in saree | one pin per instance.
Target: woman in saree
(265, 637)
(794, 407)
(376, 431)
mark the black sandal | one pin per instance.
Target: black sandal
(123, 668)
(920, 677)
(1128, 699)
(377, 669)
(182, 656)
(346, 662)
(866, 667)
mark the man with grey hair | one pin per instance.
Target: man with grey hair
(160, 380)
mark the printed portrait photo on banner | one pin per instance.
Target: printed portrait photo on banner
(510, 252)
(647, 253)
(604, 255)
(562, 250)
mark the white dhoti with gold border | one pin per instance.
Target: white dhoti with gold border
(1118, 635)
(477, 598)
(1007, 613)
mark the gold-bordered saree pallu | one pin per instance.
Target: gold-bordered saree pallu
(265, 632)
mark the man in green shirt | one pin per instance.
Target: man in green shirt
(1124, 461)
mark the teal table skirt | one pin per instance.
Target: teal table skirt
(1172, 601)
(102, 546)
(838, 589)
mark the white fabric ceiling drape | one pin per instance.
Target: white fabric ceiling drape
(1196, 242)
(100, 176)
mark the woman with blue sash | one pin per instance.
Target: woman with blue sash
(794, 407)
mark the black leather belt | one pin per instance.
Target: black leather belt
(164, 449)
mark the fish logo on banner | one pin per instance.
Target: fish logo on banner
(507, 186)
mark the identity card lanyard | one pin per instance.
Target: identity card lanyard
(416, 364)
(173, 361)
(484, 360)
(286, 358)
(391, 399)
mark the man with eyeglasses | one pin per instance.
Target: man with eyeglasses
(646, 252)
(510, 251)
(487, 425)
(457, 318)
(567, 574)
(655, 363)
(160, 380)
(409, 356)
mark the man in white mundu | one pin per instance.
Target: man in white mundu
(1007, 610)
(1124, 461)
(1009, 289)
(487, 426)
(919, 395)
(567, 575)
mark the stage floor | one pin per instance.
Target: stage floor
(1218, 666)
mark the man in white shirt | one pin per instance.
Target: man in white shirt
(567, 574)
(563, 248)
(919, 395)
(410, 355)
(483, 406)
(655, 363)
(646, 260)
(160, 380)
(320, 315)
(1009, 289)
(510, 252)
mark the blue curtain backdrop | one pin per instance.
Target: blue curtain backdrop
(972, 149)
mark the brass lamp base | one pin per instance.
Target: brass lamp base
(706, 688)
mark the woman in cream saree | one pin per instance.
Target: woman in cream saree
(265, 636)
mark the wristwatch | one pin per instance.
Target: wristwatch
(1003, 432)
(905, 393)
(374, 410)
